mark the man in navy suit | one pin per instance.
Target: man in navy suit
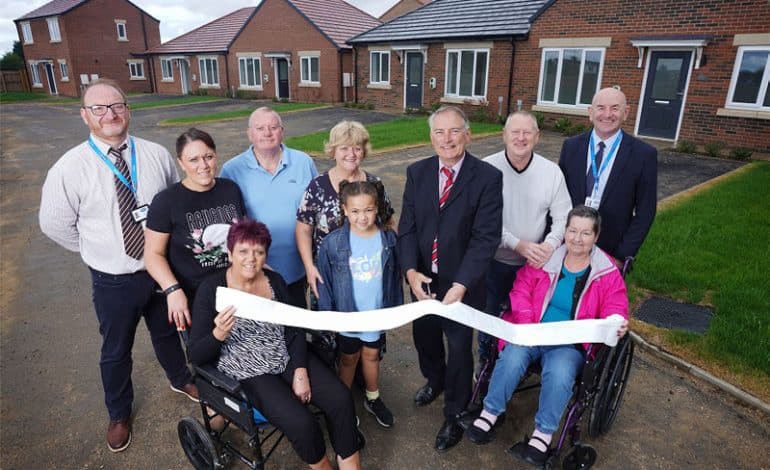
(615, 173)
(448, 232)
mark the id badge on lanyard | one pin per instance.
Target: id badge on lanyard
(595, 199)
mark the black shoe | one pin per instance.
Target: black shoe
(426, 395)
(479, 436)
(526, 453)
(380, 411)
(449, 435)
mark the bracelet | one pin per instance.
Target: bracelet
(171, 288)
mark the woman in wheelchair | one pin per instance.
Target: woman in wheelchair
(271, 362)
(579, 282)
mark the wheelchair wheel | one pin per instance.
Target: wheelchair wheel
(197, 445)
(579, 457)
(612, 385)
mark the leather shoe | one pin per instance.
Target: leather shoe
(118, 435)
(426, 395)
(449, 435)
(188, 390)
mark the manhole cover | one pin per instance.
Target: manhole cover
(669, 314)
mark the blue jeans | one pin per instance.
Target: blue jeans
(500, 279)
(560, 367)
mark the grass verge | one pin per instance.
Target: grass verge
(711, 249)
(238, 113)
(20, 97)
(162, 103)
(396, 133)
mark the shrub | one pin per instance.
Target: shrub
(741, 153)
(563, 124)
(368, 106)
(284, 100)
(434, 107)
(540, 118)
(575, 130)
(685, 146)
(480, 114)
(714, 149)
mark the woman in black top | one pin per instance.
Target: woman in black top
(187, 225)
(271, 361)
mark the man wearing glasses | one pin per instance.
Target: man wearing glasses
(273, 178)
(95, 202)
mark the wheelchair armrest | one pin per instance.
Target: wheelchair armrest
(218, 379)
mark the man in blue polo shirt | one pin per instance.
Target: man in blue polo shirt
(273, 178)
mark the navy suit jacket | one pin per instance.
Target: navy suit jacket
(629, 200)
(469, 226)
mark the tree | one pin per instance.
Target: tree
(17, 49)
(11, 61)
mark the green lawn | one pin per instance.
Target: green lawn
(239, 113)
(713, 249)
(396, 133)
(20, 96)
(172, 102)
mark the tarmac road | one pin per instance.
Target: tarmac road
(51, 402)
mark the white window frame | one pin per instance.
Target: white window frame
(34, 75)
(53, 28)
(164, 63)
(205, 81)
(757, 105)
(26, 32)
(459, 52)
(136, 69)
(384, 58)
(256, 59)
(124, 36)
(308, 80)
(560, 50)
(64, 70)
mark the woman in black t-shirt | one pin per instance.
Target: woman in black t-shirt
(187, 225)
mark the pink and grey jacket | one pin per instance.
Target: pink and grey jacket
(603, 295)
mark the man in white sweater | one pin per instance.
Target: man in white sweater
(533, 191)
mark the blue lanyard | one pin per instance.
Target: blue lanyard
(133, 186)
(607, 159)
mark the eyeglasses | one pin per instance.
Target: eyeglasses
(101, 109)
(264, 129)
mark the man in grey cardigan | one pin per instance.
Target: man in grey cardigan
(533, 191)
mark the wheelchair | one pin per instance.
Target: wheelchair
(209, 448)
(597, 397)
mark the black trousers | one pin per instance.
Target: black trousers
(452, 370)
(297, 291)
(274, 398)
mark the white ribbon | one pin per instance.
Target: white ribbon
(258, 308)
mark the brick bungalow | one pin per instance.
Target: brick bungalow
(68, 43)
(402, 7)
(293, 49)
(692, 70)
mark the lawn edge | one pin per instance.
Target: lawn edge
(164, 122)
(681, 196)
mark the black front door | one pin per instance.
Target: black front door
(413, 79)
(282, 65)
(51, 79)
(664, 93)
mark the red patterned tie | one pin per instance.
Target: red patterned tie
(441, 201)
(133, 235)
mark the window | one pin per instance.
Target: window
(250, 72)
(379, 66)
(26, 32)
(309, 70)
(466, 73)
(167, 71)
(53, 29)
(121, 26)
(64, 70)
(209, 71)
(35, 75)
(749, 86)
(136, 69)
(570, 76)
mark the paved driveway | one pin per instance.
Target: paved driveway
(51, 398)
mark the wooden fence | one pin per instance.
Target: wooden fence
(14, 80)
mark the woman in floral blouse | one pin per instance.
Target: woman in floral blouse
(187, 225)
(319, 212)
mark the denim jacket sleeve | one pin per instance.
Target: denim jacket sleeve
(325, 288)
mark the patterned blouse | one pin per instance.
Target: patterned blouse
(320, 207)
(253, 348)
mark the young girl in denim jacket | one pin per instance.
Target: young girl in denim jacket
(359, 267)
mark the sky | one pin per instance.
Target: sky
(176, 16)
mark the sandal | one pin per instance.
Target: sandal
(525, 452)
(479, 436)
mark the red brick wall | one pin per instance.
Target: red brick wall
(622, 20)
(401, 8)
(90, 44)
(393, 98)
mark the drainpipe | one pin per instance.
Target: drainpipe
(227, 75)
(355, 74)
(340, 56)
(510, 78)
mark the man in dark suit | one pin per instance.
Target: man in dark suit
(615, 173)
(449, 230)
